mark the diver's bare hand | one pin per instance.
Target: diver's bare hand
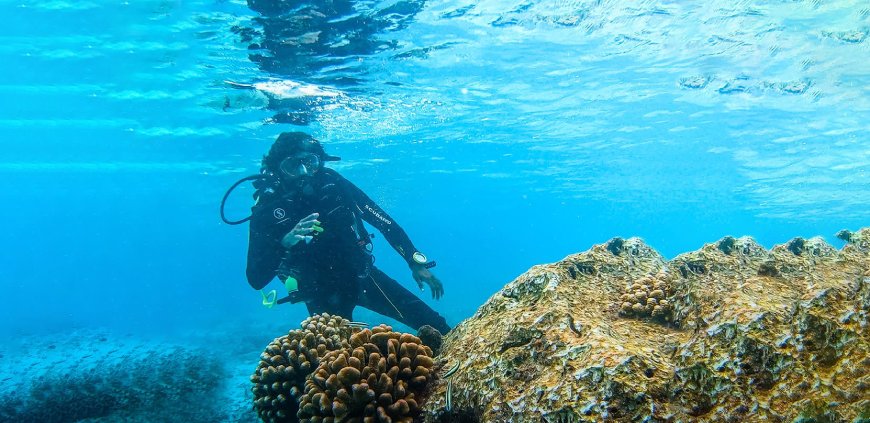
(423, 275)
(303, 231)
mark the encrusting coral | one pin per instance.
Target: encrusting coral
(381, 378)
(751, 334)
(287, 362)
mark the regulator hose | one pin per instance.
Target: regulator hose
(229, 191)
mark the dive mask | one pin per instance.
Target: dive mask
(303, 164)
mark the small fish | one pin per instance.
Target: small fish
(449, 405)
(451, 371)
(361, 325)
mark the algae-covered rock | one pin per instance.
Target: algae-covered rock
(740, 333)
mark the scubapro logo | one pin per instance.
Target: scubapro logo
(279, 213)
(378, 215)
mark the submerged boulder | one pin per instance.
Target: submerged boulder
(729, 332)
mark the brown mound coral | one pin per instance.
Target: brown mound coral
(288, 360)
(380, 380)
(778, 335)
(647, 296)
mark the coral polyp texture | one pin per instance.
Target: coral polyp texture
(747, 334)
(287, 362)
(381, 378)
(647, 297)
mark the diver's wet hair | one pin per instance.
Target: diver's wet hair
(289, 143)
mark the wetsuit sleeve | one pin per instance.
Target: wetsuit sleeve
(377, 217)
(264, 252)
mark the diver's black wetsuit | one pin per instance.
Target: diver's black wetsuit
(335, 270)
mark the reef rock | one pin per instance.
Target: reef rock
(730, 332)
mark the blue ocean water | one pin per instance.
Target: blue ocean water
(500, 134)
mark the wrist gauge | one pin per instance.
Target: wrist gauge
(421, 259)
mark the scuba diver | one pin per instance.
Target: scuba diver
(307, 229)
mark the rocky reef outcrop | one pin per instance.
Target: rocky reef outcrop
(730, 332)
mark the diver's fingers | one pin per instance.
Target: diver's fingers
(308, 239)
(310, 217)
(437, 288)
(307, 224)
(303, 231)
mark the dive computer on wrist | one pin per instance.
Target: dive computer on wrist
(420, 258)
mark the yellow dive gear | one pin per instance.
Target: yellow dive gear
(270, 298)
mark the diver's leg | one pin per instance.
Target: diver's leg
(343, 309)
(335, 294)
(382, 294)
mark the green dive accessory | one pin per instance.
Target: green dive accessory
(291, 284)
(271, 298)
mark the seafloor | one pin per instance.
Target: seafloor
(730, 332)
